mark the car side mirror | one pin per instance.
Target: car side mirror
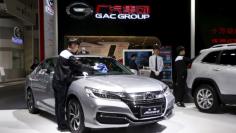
(85, 74)
(52, 72)
(48, 71)
(43, 71)
(135, 72)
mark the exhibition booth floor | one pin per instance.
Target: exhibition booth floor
(14, 118)
(187, 120)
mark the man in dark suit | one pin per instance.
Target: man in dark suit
(132, 62)
(62, 78)
(181, 63)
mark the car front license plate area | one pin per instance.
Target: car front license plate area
(150, 111)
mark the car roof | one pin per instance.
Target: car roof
(219, 47)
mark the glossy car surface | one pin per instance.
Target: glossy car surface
(212, 78)
(109, 96)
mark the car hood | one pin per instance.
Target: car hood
(124, 83)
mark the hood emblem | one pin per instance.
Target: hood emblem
(149, 96)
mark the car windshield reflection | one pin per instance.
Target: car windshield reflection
(99, 66)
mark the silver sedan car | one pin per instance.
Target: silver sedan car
(108, 97)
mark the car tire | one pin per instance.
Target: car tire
(31, 102)
(75, 116)
(206, 99)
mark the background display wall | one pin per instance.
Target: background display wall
(143, 61)
(215, 23)
(169, 20)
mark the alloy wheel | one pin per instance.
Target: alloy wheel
(30, 100)
(205, 98)
(74, 115)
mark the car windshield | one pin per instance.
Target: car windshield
(102, 66)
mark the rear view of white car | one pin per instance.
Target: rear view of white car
(212, 77)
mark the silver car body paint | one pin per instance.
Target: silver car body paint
(40, 83)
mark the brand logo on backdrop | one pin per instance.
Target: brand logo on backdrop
(17, 36)
(130, 12)
(49, 8)
(79, 10)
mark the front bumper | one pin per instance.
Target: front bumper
(111, 118)
(104, 113)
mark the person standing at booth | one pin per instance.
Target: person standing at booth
(35, 64)
(132, 63)
(156, 64)
(84, 51)
(62, 79)
(181, 63)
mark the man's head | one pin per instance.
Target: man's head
(83, 49)
(113, 57)
(73, 44)
(133, 57)
(156, 50)
(180, 50)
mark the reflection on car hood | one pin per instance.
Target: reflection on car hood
(125, 83)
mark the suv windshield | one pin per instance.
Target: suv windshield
(102, 66)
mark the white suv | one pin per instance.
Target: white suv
(212, 77)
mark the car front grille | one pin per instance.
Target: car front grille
(136, 103)
(143, 96)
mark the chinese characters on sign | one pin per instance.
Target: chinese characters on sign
(223, 31)
(122, 12)
(223, 40)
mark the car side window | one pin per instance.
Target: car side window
(38, 68)
(49, 64)
(45, 64)
(228, 57)
(211, 57)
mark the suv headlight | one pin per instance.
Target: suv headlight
(166, 90)
(97, 93)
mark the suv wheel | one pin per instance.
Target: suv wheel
(30, 102)
(206, 100)
(75, 116)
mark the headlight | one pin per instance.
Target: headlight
(94, 93)
(166, 90)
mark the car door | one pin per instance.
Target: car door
(208, 65)
(46, 83)
(49, 78)
(41, 77)
(36, 82)
(226, 72)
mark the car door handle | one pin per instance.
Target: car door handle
(216, 69)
